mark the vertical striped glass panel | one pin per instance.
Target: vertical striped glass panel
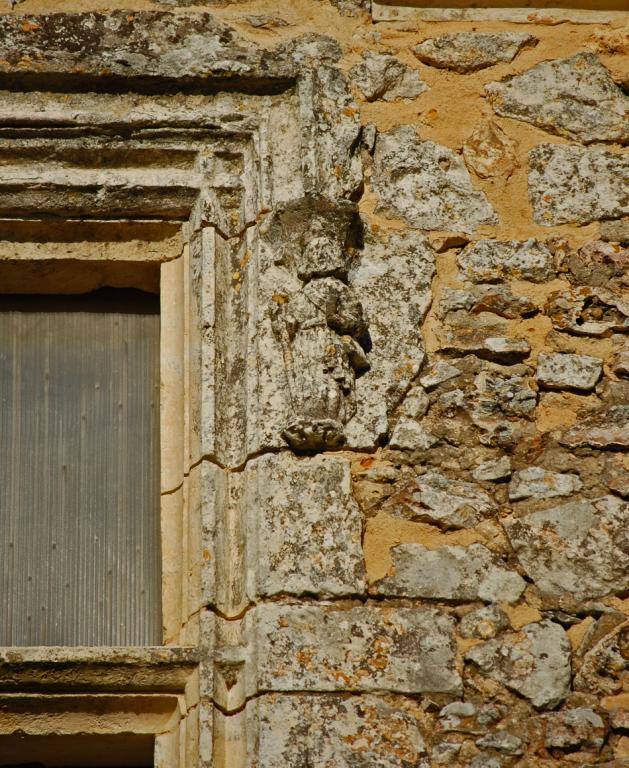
(79, 470)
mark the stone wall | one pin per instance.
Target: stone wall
(433, 502)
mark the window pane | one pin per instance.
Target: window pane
(79, 470)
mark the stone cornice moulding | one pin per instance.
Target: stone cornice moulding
(538, 11)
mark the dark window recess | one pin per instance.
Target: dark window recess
(77, 751)
(79, 469)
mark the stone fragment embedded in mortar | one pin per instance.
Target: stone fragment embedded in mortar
(571, 728)
(539, 483)
(484, 622)
(328, 647)
(488, 151)
(607, 429)
(380, 76)
(574, 97)
(426, 184)
(497, 299)
(450, 573)
(578, 548)
(534, 662)
(335, 730)
(438, 499)
(490, 261)
(493, 470)
(564, 371)
(577, 185)
(598, 263)
(604, 666)
(392, 278)
(470, 51)
(586, 311)
(303, 527)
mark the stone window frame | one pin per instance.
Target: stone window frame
(221, 197)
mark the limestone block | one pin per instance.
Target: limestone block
(405, 167)
(470, 51)
(578, 547)
(534, 662)
(571, 728)
(333, 117)
(605, 663)
(564, 371)
(438, 499)
(577, 185)
(484, 622)
(439, 373)
(490, 261)
(303, 527)
(451, 573)
(539, 483)
(328, 730)
(393, 282)
(607, 430)
(488, 151)
(574, 97)
(328, 647)
(385, 77)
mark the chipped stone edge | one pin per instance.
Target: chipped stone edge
(383, 11)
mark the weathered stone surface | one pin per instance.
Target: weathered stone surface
(605, 663)
(501, 392)
(493, 470)
(597, 263)
(483, 342)
(615, 231)
(579, 547)
(380, 76)
(574, 97)
(367, 648)
(337, 169)
(438, 373)
(576, 185)
(579, 727)
(497, 299)
(534, 662)
(484, 622)
(426, 184)
(539, 483)
(450, 573)
(608, 429)
(470, 51)
(396, 273)
(586, 311)
(304, 527)
(564, 371)
(408, 434)
(502, 741)
(329, 730)
(489, 261)
(140, 44)
(488, 151)
(435, 498)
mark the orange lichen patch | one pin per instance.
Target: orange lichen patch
(29, 26)
(521, 614)
(304, 657)
(577, 632)
(384, 531)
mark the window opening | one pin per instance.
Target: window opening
(79, 469)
